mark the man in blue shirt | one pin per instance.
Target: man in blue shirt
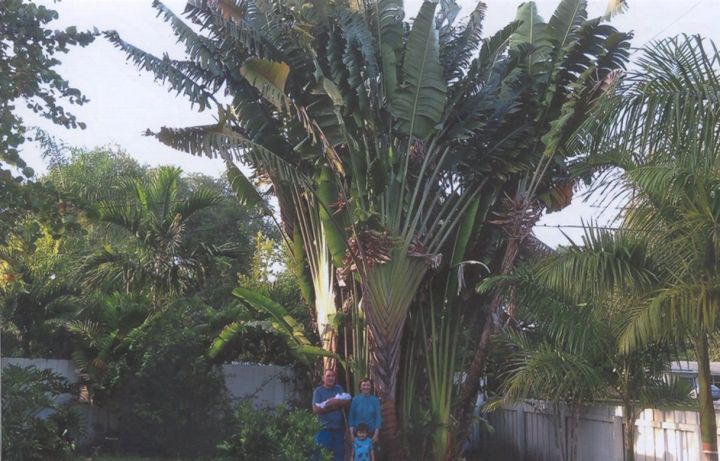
(329, 411)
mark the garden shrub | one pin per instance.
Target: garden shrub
(280, 434)
(169, 399)
(35, 426)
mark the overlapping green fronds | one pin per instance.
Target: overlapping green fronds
(457, 53)
(241, 26)
(546, 372)
(565, 21)
(623, 259)
(670, 393)
(201, 50)
(669, 105)
(689, 307)
(360, 59)
(217, 141)
(387, 20)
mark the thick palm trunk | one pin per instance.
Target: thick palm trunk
(388, 290)
(384, 367)
(708, 426)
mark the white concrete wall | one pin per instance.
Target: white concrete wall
(264, 385)
(529, 431)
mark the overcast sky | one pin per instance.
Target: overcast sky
(124, 102)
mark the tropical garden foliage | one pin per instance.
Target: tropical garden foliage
(64, 297)
(27, 434)
(565, 350)
(383, 179)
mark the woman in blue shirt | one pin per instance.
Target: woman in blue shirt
(365, 408)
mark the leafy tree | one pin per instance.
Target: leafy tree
(86, 177)
(28, 56)
(168, 397)
(572, 61)
(155, 259)
(104, 327)
(659, 129)
(249, 330)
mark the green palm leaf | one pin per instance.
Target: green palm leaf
(248, 196)
(226, 335)
(568, 17)
(282, 322)
(269, 78)
(214, 141)
(166, 70)
(387, 16)
(531, 32)
(418, 104)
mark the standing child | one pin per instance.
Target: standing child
(362, 445)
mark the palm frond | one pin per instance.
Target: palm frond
(456, 54)
(165, 70)
(214, 141)
(419, 102)
(201, 50)
(269, 77)
(606, 262)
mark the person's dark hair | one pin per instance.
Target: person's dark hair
(366, 380)
(362, 427)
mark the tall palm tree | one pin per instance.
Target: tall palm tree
(660, 130)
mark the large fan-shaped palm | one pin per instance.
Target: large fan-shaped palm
(357, 179)
(376, 135)
(661, 127)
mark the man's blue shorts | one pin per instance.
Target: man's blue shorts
(333, 440)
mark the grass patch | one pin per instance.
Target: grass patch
(118, 458)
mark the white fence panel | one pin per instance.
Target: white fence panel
(529, 432)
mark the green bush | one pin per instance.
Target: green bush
(34, 425)
(279, 434)
(169, 399)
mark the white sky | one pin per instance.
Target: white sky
(124, 102)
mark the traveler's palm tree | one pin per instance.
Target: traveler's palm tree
(154, 257)
(377, 136)
(661, 128)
